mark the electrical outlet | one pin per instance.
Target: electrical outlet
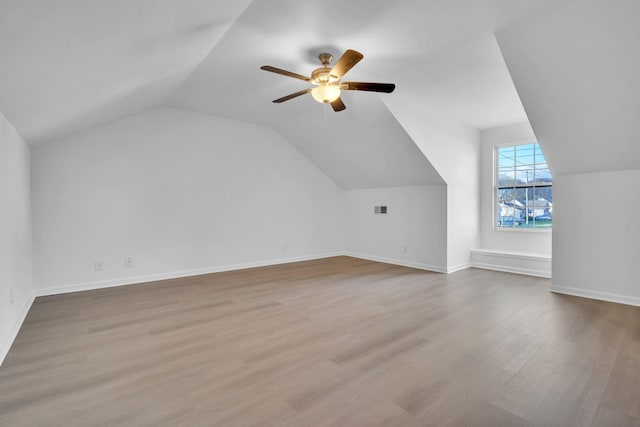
(11, 297)
(128, 262)
(405, 249)
(284, 247)
(98, 265)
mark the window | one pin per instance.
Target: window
(523, 188)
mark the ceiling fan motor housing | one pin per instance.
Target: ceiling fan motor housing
(323, 75)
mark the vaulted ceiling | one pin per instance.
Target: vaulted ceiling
(577, 70)
(71, 64)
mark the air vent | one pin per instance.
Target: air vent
(379, 209)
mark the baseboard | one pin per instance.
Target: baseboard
(400, 262)
(458, 267)
(502, 268)
(512, 262)
(603, 296)
(124, 281)
(6, 346)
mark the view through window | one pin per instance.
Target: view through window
(523, 187)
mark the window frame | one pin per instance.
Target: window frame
(494, 172)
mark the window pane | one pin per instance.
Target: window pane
(526, 198)
(543, 215)
(506, 177)
(506, 157)
(524, 154)
(529, 199)
(524, 194)
(510, 210)
(520, 195)
(544, 220)
(535, 206)
(545, 193)
(539, 156)
(525, 175)
(541, 165)
(543, 176)
(505, 196)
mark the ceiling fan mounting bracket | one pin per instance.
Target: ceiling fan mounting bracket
(325, 58)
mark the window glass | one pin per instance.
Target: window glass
(523, 191)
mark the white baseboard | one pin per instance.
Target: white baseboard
(401, 262)
(512, 262)
(132, 280)
(6, 346)
(458, 267)
(504, 269)
(603, 296)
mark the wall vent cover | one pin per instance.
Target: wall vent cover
(379, 209)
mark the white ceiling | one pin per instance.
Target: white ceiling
(442, 53)
(578, 72)
(72, 64)
(442, 50)
(364, 149)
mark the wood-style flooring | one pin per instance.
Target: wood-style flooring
(332, 342)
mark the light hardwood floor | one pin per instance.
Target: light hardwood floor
(336, 342)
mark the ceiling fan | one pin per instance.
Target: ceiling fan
(327, 80)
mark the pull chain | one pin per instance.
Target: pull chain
(326, 107)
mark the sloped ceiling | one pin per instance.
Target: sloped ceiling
(441, 49)
(72, 64)
(440, 53)
(578, 73)
(365, 149)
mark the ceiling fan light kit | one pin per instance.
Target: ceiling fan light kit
(327, 80)
(325, 93)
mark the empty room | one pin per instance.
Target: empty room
(337, 213)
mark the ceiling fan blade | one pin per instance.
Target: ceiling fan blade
(346, 62)
(285, 73)
(291, 96)
(338, 105)
(370, 87)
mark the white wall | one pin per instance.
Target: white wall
(576, 70)
(16, 274)
(180, 193)
(416, 220)
(462, 221)
(596, 242)
(516, 251)
(531, 242)
(454, 151)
